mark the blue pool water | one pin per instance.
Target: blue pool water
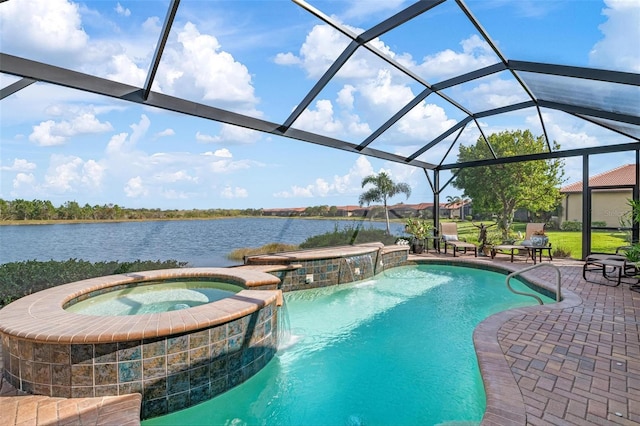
(395, 350)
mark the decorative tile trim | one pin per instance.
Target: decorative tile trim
(171, 372)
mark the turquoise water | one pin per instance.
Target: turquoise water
(394, 350)
(151, 298)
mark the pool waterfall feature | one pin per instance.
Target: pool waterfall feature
(306, 269)
(178, 358)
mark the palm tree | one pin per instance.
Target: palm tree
(383, 189)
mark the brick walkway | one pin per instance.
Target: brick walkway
(572, 363)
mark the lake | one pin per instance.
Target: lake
(199, 242)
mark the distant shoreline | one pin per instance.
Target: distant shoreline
(79, 221)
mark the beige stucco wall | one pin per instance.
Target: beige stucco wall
(607, 206)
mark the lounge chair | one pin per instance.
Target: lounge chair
(523, 246)
(613, 267)
(449, 238)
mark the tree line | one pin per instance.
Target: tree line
(20, 209)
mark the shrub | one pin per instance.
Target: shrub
(22, 278)
(571, 225)
(599, 224)
(348, 236)
(561, 252)
(239, 254)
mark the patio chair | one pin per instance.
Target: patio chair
(613, 267)
(449, 238)
(523, 246)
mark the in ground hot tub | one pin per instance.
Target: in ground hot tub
(153, 297)
(174, 359)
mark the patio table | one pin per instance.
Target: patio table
(536, 251)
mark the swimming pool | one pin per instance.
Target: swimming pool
(394, 350)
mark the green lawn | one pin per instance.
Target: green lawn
(570, 242)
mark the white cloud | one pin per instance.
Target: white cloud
(116, 143)
(50, 133)
(321, 47)
(493, 93)
(475, 54)
(165, 132)
(320, 120)
(201, 137)
(345, 96)
(152, 25)
(123, 11)
(230, 134)
(172, 177)
(321, 187)
(19, 165)
(92, 174)
(195, 66)
(123, 142)
(44, 135)
(371, 93)
(287, 59)
(616, 50)
(223, 153)
(64, 173)
(236, 192)
(226, 166)
(569, 132)
(23, 180)
(42, 26)
(140, 128)
(124, 69)
(135, 188)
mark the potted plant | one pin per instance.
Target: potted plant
(420, 230)
(539, 239)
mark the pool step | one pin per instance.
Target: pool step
(17, 408)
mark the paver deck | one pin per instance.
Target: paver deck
(571, 363)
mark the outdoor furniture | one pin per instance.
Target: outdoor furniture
(537, 251)
(525, 245)
(449, 238)
(613, 267)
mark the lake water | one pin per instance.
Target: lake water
(199, 242)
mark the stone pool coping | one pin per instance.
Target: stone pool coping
(40, 316)
(323, 253)
(19, 408)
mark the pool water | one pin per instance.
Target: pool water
(394, 350)
(151, 298)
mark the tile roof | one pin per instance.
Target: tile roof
(623, 175)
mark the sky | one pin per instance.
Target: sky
(260, 58)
